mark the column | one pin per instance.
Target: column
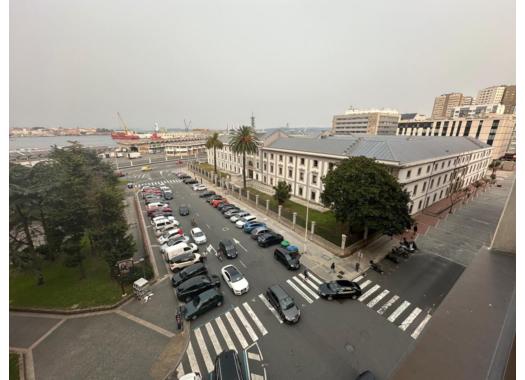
(279, 210)
(256, 200)
(294, 218)
(312, 231)
(267, 206)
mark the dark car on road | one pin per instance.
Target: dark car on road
(207, 194)
(340, 289)
(227, 207)
(284, 304)
(231, 212)
(227, 367)
(201, 303)
(190, 181)
(269, 238)
(228, 249)
(221, 205)
(168, 194)
(213, 197)
(187, 273)
(184, 210)
(289, 259)
(256, 232)
(195, 285)
(250, 226)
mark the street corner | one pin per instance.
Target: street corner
(170, 357)
(25, 331)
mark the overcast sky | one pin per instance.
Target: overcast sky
(76, 63)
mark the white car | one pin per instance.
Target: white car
(235, 280)
(160, 217)
(200, 188)
(156, 204)
(184, 260)
(198, 236)
(196, 185)
(191, 376)
(168, 235)
(238, 216)
(165, 227)
(241, 222)
(181, 239)
(165, 188)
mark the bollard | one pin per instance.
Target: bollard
(150, 160)
(130, 163)
(256, 200)
(248, 195)
(343, 241)
(294, 217)
(267, 206)
(279, 210)
(313, 229)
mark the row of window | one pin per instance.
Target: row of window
(300, 190)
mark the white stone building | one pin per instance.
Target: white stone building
(371, 121)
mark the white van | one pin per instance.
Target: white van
(241, 222)
(164, 225)
(178, 249)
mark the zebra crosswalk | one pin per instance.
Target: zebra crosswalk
(162, 182)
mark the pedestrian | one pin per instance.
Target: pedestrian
(415, 229)
(357, 265)
(305, 273)
(332, 267)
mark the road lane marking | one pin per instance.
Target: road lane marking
(243, 264)
(421, 326)
(246, 324)
(308, 299)
(236, 330)
(204, 351)
(357, 279)
(258, 323)
(390, 302)
(225, 334)
(370, 291)
(192, 359)
(145, 323)
(239, 244)
(254, 356)
(398, 311)
(312, 276)
(270, 307)
(213, 338)
(404, 325)
(378, 298)
(365, 284)
(309, 282)
(302, 285)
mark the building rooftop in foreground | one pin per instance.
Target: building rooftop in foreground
(395, 149)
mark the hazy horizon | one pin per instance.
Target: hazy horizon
(75, 64)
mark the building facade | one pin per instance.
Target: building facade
(478, 110)
(491, 95)
(444, 104)
(374, 122)
(493, 129)
(509, 99)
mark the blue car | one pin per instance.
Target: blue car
(249, 226)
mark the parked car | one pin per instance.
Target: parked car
(184, 260)
(196, 285)
(153, 198)
(216, 202)
(154, 210)
(245, 219)
(169, 234)
(177, 239)
(228, 249)
(238, 216)
(182, 175)
(179, 249)
(201, 303)
(191, 376)
(340, 289)
(231, 212)
(256, 232)
(184, 210)
(235, 280)
(249, 226)
(289, 259)
(269, 238)
(283, 303)
(160, 217)
(160, 213)
(366, 375)
(146, 168)
(227, 207)
(187, 273)
(213, 197)
(166, 226)
(198, 236)
(227, 367)
(168, 194)
(222, 205)
(190, 181)
(200, 187)
(207, 194)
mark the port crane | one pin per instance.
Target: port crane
(123, 122)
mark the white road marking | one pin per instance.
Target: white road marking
(309, 282)
(225, 334)
(390, 302)
(270, 307)
(404, 325)
(213, 338)
(239, 244)
(246, 324)
(421, 326)
(180, 371)
(254, 356)
(378, 298)
(370, 291)
(302, 285)
(365, 284)
(204, 350)
(398, 311)
(236, 330)
(256, 320)
(308, 299)
(243, 264)
(192, 359)
(357, 279)
(312, 276)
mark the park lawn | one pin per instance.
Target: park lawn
(14, 371)
(63, 288)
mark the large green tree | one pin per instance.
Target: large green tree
(282, 192)
(365, 195)
(244, 141)
(214, 143)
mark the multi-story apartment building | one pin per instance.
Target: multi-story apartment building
(490, 95)
(493, 129)
(372, 121)
(444, 104)
(509, 99)
(467, 101)
(478, 110)
(428, 168)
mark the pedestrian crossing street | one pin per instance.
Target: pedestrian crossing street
(162, 182)
(240, 327)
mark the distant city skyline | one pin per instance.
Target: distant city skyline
(78, 64)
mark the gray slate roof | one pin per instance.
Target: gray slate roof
(400, 149)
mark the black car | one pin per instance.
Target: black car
(228, 249)
(227, 207)
(231, 212)
(201, 303)
(289, 259)
(213, 197)
(258, 231)
(227, 366)
(269, 238)
(207, 194)
(184, 176)
(168, 195)
(184, 210)
(190, 181)
(284, 304)
(187, 273)
(367, 375)
(340, 289)
(195, 285)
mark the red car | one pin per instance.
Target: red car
(216, 202)
(157, 209)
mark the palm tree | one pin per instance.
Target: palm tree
(244, 142)
(214, 142)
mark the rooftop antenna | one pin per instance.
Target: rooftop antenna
(253, 121)
(187, 125)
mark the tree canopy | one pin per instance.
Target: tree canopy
(365, 195)
(282, 192)
(214, 143)
(244, 141)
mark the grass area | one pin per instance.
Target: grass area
(63, 288)
(14, 371)
(209, 168)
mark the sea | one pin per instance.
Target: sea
(45, 143)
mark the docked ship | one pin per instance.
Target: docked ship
(124, 135)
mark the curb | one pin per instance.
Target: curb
(187, 343)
